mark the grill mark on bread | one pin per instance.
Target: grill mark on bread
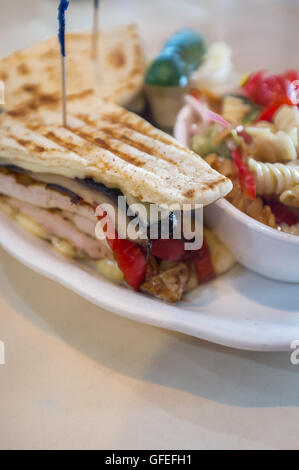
(117, 134)
(106, 145)
(62, 142)
(80, 95)
(72, 147)
(142, 147)
(30, 145)
(49, 53)
(142, 127)
(114, 119)
(189, 194)
(215, 183)
(42, 99)
(116, 58)
(23, 68)
(3, 76)
(30, 87)
(88, 140)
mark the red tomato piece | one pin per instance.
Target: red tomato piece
(246, 178)
(203, 264)
(170, 250)
(269, 112)
(130, 259)
(264, 88)
(129, 256)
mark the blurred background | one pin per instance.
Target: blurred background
(262, 33)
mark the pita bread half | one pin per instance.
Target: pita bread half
(112, 146)
(116, 76)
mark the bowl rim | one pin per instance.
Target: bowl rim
(228, 206)
(256, 225)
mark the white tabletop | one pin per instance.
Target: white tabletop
(80, 377)
(76, 376)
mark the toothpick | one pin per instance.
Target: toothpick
(63, 92)
(63, 6)
(95, 29)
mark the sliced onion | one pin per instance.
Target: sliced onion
(194, 129)
(204, 112)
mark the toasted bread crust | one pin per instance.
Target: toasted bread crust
(34, 72)
(111, 145)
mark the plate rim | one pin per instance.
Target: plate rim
(85, 285)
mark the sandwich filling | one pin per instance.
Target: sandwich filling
(62, 212)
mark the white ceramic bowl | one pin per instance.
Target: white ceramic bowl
(258, 247)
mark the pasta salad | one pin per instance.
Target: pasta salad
(251, 135)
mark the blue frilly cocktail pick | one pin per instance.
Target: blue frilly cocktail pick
(63, 6)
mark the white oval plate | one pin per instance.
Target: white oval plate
(241, 309)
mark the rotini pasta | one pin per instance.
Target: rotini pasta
(273, 178)
(254, 208)
(291, 196)
(287, 120)
(271, 147)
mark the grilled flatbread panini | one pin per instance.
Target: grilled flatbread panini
(34, 73)
(111, 146)
(52, 178)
